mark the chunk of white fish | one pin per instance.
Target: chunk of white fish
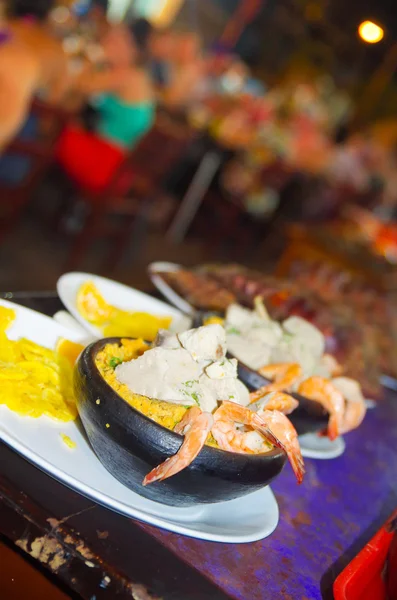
(164, 374)
(165, 339)
(205, 343)
(307, 333)
(223, 369)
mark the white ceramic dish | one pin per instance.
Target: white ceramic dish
(314, 446)
(389, 382)
(244, 520)
(155, 269)
(117, 294)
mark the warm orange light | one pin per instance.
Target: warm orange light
(370, 32)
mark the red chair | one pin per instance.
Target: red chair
(132, 196)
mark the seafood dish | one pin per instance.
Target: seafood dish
(113, 321)
(291, 354)
(186, 384)
(191, 370)
(354, 326)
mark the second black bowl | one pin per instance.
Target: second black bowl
(308, 417)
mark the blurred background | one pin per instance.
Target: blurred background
(196, 131)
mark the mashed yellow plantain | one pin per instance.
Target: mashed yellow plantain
(7, 316)
(34, 380)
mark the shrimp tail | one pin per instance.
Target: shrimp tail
(295, 458)
(195, 426)
(333, 428)
(298, 466)
(269, 435)
(283, 428)
(166, 469)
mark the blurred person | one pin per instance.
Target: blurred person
(157, 45)
(125, 105)
(31, 61)
(187, 70)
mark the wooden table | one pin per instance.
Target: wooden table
(100, 554)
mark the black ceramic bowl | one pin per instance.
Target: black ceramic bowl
(308, 417)
(129, 445)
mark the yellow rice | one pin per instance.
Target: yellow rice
(164, 413)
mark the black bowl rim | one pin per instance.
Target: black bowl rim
(264, 381)
(89, 354)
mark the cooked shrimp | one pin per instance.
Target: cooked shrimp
(355, 402)
(284, 403)
(283, 429)
(284, 375)
(322, 390)
(195, 426)
(354, 415)
(232, 439)
(273, 425)
(330, 363)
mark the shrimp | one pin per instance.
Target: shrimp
(354, 415)
(330, 363)
(284, 375)
(322, 390)
(276, 401)
(355, 402)
(273, 425)
(195, 426)
(283, 429)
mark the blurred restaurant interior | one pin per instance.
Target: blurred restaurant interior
(256, 139)
(240, 122)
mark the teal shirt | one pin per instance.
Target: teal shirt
(123, 124)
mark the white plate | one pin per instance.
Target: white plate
(155, 269)
(389, 382)
(314, 446)
(244, 520)
(117, 294)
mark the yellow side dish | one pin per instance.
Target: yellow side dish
(115, 322)
(92, 306)
(68, 441)
(69, 350)
(7, 316)
(35, 381)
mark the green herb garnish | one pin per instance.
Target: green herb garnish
(233, 330)
(114, 362)
(196, 398)
(191, 383)
(288, 336)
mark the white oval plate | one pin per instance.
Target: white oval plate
(314, 446)
(247, 519)
(117, 294)
(155, 269)
(389, 382)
